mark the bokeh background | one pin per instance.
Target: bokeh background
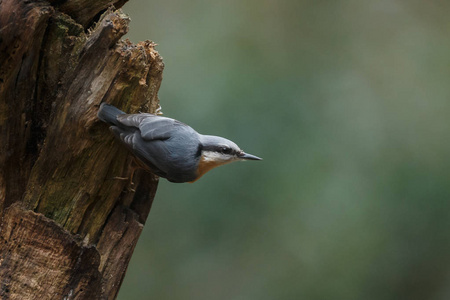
(348, 102)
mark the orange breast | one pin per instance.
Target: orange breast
(205, 166)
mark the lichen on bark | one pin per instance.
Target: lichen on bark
(57, 161)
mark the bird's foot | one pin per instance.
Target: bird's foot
(131, 183)
(158, 111)
(130, 180)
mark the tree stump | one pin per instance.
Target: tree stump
(68, 227)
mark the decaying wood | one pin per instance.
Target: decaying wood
(51, 253)
(68, 227)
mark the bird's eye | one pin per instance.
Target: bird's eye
(226, 150)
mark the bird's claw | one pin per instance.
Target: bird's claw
(131, 183)
(158, 111)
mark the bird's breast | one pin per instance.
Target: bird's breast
(206, 165)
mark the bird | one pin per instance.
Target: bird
(169, 148)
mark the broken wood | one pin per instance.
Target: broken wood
(68, 228)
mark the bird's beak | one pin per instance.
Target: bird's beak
(247, 156)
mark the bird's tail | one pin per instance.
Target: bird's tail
(108, 113)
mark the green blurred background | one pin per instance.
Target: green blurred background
(348, 104)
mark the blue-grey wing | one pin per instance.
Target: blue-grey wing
(154, 154)
(152, 127)
(162, 144)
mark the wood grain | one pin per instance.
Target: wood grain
(69, 227)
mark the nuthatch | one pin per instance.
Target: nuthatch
(169, 148)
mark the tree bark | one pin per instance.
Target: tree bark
(68, 227)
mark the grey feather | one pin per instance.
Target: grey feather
(156, 141)
(151, 127)
(108, 113)
(165, 146)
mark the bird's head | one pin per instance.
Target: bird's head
(222, 151)
(217, 151)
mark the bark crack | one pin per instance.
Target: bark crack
(57, 158)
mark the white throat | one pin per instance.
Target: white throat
(212, 156)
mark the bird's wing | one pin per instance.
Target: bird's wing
(152, 154)
(151, 127)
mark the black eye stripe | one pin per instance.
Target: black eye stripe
(226, 150)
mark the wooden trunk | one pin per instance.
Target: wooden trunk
(68, 227)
